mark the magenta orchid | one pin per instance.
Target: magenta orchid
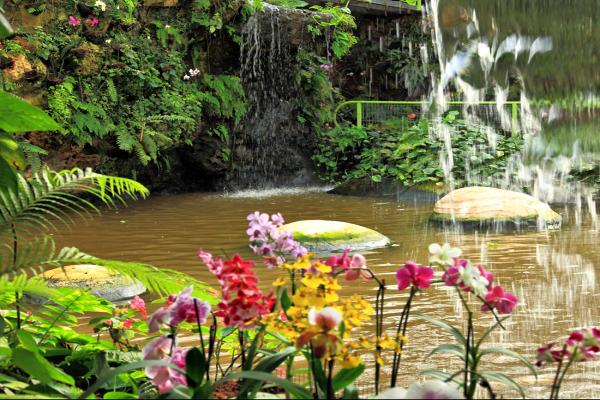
(412, 274)
(178, 309)
(498, 299)
(74, 21)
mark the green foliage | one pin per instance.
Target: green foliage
(403, 149)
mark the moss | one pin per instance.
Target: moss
(338, 236)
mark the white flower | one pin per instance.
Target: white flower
(100, 4)
(194, 72)
(107, 41)
(471, 277)
(443, 255)
(327, 319)
(167, 26)
(186, 77)
(424, 390)
(392, 393)
(433, 390)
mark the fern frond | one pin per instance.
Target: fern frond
(23, 284)
(52, 197)
(160, 281)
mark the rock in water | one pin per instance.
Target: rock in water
(479, 206)
(101, 281)
(322, 235)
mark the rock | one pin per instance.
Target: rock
(484, 206)
(321, 235)
(389, 188)
(102, 282)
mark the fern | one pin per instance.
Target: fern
(125, 140)
(52, 197)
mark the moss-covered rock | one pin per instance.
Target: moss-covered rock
(322, 235)
(99, 280)
(478, 206)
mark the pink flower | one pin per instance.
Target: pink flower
(127, 323)
(158, 348)
(92, 21)
(497, 298)
(165, 378)
(327, 318)
(178, 309)
(357, 269)
(326, 67)
(412, 274)
(139, 305)
(74, 21)
(342, 261)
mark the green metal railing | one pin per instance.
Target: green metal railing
(359, 108)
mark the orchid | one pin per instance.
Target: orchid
(74, 21)
(443, 255)
(327, 318)
(92, 21)
(412, 274)
(165, 378)
(424, 390)
(178, 309)
(498, 299)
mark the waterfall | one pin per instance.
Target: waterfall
(270, 149)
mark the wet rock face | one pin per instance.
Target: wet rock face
(332, 236)
(99, 280)
(477, 206)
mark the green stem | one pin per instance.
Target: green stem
(201, 336)
(14, 264)
(558, 384)
(330, 393)
(401, 331)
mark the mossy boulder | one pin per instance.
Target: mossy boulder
(101, 281)
(478, 206)
(323, 235)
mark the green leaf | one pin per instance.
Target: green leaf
(195, 366)
(16, 115)
(449, 348)
(11, 152)
(119, 395)
(5, 28)
(350, 393)
(296, 391)
(504, 379)
(444, 325)
(38, 367)
(268, 365)
(347, 376)
(9, 181)
(27, 341)
(112, 374)
(509, 353)
(286, 302)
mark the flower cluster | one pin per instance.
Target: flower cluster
(242, 301)
(412, 274)
(101, 5)
(326, 67)
(92, 21)
(163, 377)
(119, 326)
(178, 309)
(581, 345)
(192, 73)
(461, 273)
(353, 268)
(74, 21)
(269, 241)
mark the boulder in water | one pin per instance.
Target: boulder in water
(323, 235)
(477, 206)
(101, 281)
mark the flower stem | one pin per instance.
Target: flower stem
(330, 393)
(558, 384)
(401, 331)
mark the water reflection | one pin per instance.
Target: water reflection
(554, 273)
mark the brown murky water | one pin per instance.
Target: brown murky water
(553, 273)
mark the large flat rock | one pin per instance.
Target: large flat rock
(324, 235)
(483, 205)
(101, 281)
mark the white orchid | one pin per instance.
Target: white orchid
(424, 390)
(443, 255)
(471, 277)
(101, 5)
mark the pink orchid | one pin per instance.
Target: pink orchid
(178, 309)
(138, 304)
(158, 348)
(92, 21)
(497, 298)
(341, 261)
(486, 274)
(412, 274)
(357, 269)
(165, 378)
(74, 21)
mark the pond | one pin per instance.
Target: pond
(553, 273)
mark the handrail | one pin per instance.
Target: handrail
(359, 109)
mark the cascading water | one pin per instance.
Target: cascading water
(487, 50)
(272, 148)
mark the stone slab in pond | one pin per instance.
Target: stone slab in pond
(477, 206)
(324, 235)
(101, 281)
